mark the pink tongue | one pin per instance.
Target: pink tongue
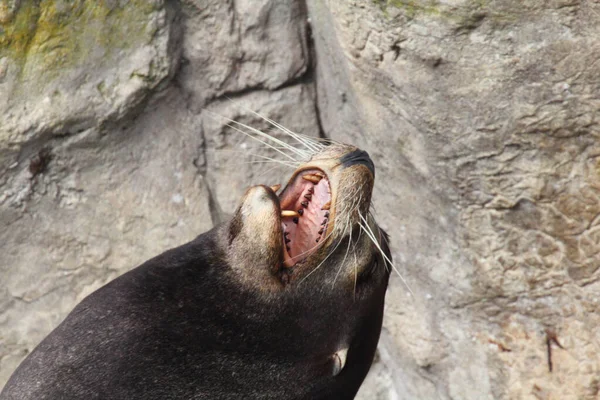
(306, 234)
(303, 236)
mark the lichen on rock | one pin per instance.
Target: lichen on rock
(59, 34)
(54, 54)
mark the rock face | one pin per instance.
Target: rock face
(479, 114)
(66, 66)
(108, 157)
(482, 116)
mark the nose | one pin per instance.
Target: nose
(358, 157)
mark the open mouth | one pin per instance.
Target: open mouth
(305, 205)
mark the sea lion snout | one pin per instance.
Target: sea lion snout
(325, 202)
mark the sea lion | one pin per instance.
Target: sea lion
(284, 301)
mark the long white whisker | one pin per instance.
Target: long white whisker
(345, 255)
(308, 142)
(355, 278)
(259, 133)
(314, 247)
(388, 244)
(271, 162)
(332, 251)
(280, 142)
(321, 263)
(304, 140)
(270, 159)
(270, 137)
(371, 236)
(263, 142)
(248, 153)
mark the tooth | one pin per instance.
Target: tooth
(285, 233)
(327, 214)
(318, 239)
(300, 211)
(288, 213)
(295, 219)
(311, 190)
(287, 240)
(312, 178)
(276, 187)
(304, 204)
(324, 222)
(326, 206)
(321, 231)
(308, 196)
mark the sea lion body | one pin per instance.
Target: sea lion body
(199, 322)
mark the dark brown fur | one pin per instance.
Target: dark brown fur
(219, 318)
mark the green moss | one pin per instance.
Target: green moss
(467, 16)
(17, 29)
(48, 35)
(412, 8)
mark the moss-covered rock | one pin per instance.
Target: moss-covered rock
(68, 65)
(47, 36)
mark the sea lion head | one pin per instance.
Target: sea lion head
(319, 224)
(317, 264)
(283, 301)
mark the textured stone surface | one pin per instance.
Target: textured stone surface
(105, 176)
(479, 114)
(484, 116)
(67, 66)
(261, 44)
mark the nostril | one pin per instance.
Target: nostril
(358, 157)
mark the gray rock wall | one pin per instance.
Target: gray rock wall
(479, 114)
(108, 157)
(482, 116)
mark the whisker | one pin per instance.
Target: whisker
(345, 256)
(263, 173)
(270, 162)
(355, 278)
(371, 236)
(263, 142)
(302, 139)
(263, 135)
(294, 164)
(273, 138)
(321, 263)
(308, 142)
(249, 153)
(346, 228)
(314, 247)
(280, 142)
(245, 150)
